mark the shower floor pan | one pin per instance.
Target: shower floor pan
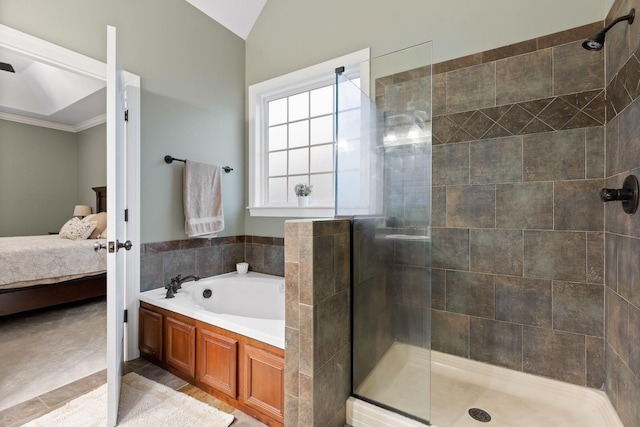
(511, 398)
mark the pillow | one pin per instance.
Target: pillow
(102, 235)
(101, 224)
(75, 229)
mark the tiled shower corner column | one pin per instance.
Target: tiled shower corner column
(317, 333)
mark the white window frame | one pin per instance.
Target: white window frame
(259, 95)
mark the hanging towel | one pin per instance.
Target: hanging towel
(202, 195)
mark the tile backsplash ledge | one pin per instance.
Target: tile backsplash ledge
(160, 261)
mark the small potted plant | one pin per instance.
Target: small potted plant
(303, 191)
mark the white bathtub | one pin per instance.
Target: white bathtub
(251, 304)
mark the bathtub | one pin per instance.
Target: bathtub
(250, 304)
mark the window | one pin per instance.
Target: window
(300, 134)
(291, 140)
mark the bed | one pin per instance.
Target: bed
(43, 271)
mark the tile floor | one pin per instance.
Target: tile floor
(42, 350)
(34, 408)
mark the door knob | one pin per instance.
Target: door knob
(98, 246)
(126, 245)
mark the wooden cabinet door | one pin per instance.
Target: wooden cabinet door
(150, 335)
(180, 346)
(217, 362)
(263, 386)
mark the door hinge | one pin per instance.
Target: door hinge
(126, 215)
(126, 316)
(126, 115)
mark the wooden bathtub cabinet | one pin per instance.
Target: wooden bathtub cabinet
(263, 387)
(150, 335)
(218, 362)
(180, 347)
(167, 341)
(243, 372)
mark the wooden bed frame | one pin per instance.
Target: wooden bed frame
(30, 298)
(33, 297)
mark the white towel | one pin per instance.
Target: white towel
(202, 193)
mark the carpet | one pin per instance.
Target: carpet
(143, 403)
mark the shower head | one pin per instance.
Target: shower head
(596, 41)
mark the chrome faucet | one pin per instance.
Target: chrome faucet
(176, 283)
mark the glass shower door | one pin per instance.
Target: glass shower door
(383, 181)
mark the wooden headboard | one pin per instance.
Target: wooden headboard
(101, 199)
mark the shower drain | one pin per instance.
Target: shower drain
(480, 415)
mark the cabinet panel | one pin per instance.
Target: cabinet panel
(218, 362)
(263, 387)
(180, 345)
(238, 370)
(150, 334)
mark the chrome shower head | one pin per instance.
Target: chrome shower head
(596, 41)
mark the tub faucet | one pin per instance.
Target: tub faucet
(172, 288)
(180, 280)
(176, 283)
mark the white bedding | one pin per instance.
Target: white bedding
(28, 260)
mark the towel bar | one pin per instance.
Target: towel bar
(169, 159)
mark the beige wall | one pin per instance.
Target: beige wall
(92, 163)
(38, 174)
(293, 34)
(44, 173)
(192, 73)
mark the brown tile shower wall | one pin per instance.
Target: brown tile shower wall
(518, 228)
(391, 278)
(161, 261)
(317, 326)
(402, 266)
(622, 232)
(373, 308)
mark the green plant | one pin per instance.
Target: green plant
(302, 189)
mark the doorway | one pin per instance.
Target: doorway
(65, 59)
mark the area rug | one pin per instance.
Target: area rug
(143, 403)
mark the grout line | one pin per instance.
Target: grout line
(45, 405)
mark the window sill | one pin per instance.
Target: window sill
(292, 211)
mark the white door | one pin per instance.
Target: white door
(116, 225)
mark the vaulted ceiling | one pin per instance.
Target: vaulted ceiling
(237, 16)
